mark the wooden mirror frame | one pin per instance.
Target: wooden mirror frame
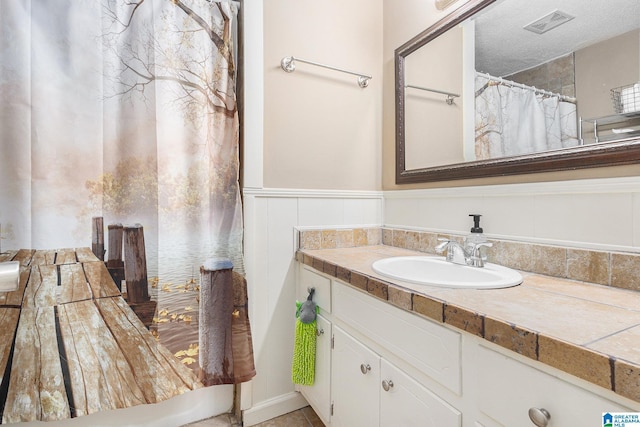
(581, 157)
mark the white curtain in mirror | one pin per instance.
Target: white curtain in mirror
(512, 121)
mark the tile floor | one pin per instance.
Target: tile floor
(304, 417)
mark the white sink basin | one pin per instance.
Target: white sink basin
(436, 271)
(9, 276)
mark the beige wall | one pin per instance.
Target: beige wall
(402, 21)
(618, 59)
(428, 142)
(321, 130)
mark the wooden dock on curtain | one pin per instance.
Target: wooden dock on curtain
(71, 346)
(127, 262)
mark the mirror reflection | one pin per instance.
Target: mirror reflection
(524, 77)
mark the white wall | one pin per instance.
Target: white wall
(597, 214)
(270, 219)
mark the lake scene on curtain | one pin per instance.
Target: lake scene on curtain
(125, 111)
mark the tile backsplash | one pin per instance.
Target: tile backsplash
(617, 269)
(340, 238)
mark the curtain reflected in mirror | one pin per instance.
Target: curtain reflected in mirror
(514, 119)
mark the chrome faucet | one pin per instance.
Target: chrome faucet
(457, 254)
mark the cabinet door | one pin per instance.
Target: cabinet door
(355, 380)
(318, 395)
(404, 402)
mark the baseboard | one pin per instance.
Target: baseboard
(272, 408)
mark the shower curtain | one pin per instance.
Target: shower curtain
(124, 110)
(513, 121)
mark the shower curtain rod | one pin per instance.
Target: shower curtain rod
(500, 80)
(289, 66)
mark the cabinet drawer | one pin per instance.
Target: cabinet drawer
(427, 346)
(311, 279)
(508, 388)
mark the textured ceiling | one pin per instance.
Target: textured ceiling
(504, 47)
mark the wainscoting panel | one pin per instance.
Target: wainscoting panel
(593, 214)
(271, 219)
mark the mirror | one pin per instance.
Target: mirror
(578, 78)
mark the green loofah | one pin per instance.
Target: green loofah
(304, 354)
(303, 367)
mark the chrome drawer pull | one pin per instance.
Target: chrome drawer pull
(539, 416)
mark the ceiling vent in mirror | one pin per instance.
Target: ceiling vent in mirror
(549, 22)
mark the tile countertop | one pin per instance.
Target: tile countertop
(587, 330)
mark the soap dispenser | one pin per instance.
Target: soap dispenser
(475, 237)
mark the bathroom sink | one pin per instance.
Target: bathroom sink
(9, 276)
(436, 271)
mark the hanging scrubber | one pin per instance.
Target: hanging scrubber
(304, 349)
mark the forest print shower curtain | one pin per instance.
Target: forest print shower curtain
(124, 110)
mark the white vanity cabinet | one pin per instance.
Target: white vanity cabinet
(390, 367)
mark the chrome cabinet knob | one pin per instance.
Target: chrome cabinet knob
(365, 368)
(539, 416)
(387, 385)
(319, 332)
